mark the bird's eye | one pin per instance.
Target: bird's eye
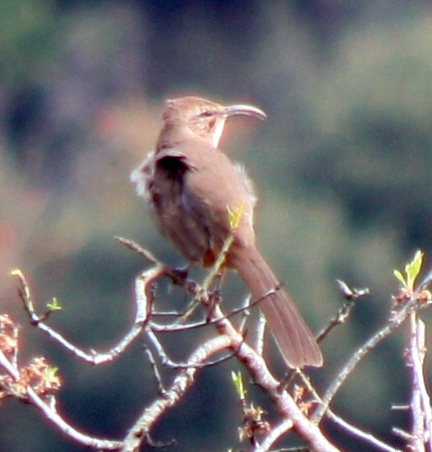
(206, 114)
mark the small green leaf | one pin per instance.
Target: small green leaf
(400, 277)
(17, 272)
(234, 216)
(238, 384)
(412, 269)
(51, 372)
(54, 305)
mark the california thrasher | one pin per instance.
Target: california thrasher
(191, 185)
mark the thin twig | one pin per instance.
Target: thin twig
(273, 436)
(371, 343)
(182, 382)
(351, 295)
(420, 402)
(365, 436)
(340, 318)
(229, 337)
(142, 284)
(54, 417)
(263, 378)
(260, 332)
(157, 376)
(181, 365)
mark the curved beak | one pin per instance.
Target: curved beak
(248, 110)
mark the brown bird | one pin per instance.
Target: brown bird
(191, 185)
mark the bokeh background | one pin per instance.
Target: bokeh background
(342, 168)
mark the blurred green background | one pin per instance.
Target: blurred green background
(341, 168)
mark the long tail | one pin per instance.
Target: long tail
(294, 338)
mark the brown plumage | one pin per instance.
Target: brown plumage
(190, 185)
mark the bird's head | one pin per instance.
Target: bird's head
(204, 117)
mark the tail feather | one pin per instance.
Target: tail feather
(294, 338)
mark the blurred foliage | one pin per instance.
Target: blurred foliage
(341, 167)
(27, 30)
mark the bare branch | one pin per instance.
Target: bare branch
(182, 382)
(262, 377)
(349, 367)
(365, 436)
(143, 300)
(49, 412)
(276, 432)
(351, 295)
(420, 401)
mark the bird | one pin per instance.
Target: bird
(191, 185)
